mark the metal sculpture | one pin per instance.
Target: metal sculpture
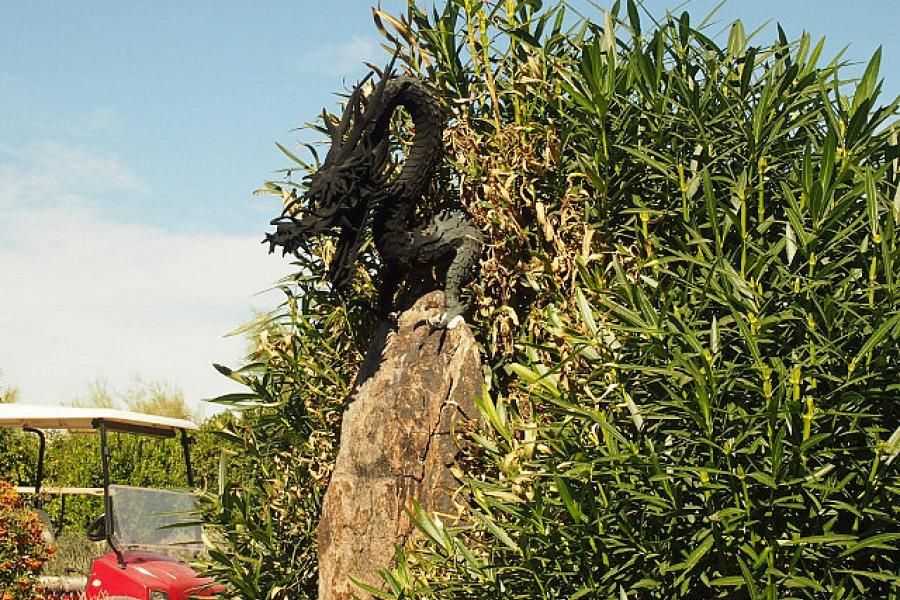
(355, 190)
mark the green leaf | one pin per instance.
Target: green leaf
(764, 478)
(584, 309)
(497, 418)
(548, 381)
(876, 338)
(696, 555)
(867, 87)
(495, 529)
(428, 526)
(881, 541)
(236, 399)
(566, 495)
(799, 581)
(832, 539)
(291, 155)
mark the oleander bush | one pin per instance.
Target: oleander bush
(22, 550)
(688, 307)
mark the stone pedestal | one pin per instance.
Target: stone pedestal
(415, 389)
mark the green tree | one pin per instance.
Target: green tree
(98, 396)
(16, 451)
(8, 393)
(699, 399)
(154, 398)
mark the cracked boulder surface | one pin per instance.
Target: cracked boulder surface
(414, 394)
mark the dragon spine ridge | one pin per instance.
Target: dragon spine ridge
(352, 191)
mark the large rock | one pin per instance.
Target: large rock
(415, 390)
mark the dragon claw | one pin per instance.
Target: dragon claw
(445, 321)
(456, 322)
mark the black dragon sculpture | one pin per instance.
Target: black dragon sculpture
(355, 190)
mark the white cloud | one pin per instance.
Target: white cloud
(83, 297)
(352, 53)
(51, 173)
(346, 58)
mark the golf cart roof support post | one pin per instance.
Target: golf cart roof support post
(107, 499)
(186, 447)
(42, 447)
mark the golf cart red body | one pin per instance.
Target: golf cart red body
(144, 529)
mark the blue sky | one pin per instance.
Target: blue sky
(132, 135)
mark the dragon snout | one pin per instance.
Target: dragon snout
(290, 234)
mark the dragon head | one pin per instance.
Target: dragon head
(340, 196)
(333, 202)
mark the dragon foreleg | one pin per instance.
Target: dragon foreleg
(450, 236)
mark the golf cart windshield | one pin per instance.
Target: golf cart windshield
(152, 519)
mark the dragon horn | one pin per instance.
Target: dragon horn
(333, 131)
(374, 103)
(387, 70)
(386, 74)
(353, 103)
(360, 116)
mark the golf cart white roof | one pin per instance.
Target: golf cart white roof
(38, 416)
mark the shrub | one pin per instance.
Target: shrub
(18, 455)
(689, 305)
(22, 551)
(688, 309)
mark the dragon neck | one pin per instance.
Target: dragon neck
(406, 190)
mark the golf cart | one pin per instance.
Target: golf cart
(143, 529)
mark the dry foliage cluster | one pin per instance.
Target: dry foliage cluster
(506, 183)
